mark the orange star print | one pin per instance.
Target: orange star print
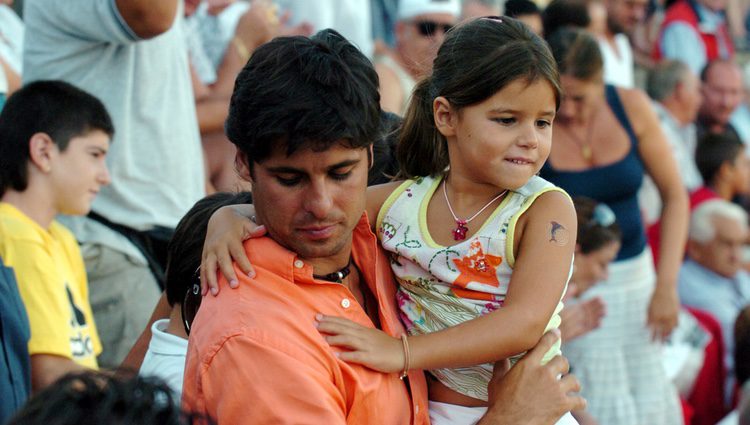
(476, 267)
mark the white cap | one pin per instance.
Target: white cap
(408, 9)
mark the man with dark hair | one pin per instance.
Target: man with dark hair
(303, 116)
(54, 141)
(617, 52)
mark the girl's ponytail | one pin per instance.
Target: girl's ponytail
(421, 150)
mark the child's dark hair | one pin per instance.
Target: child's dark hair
(304, 92)
(186, 245)
(93, 398)
(577, 54)
(713, 151)
(384, 165)
(596, 225)
(55, 108)
(477, 59)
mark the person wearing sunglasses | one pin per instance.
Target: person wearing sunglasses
(420, 29)
(165, 357)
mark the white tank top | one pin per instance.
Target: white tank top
(442, 286)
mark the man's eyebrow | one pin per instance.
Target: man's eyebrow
(291, 170)
(97, 149)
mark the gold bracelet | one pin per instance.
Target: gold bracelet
(241, 49)
(405, 342)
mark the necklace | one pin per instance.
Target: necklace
(459, 233)
(584, 144)
(338, 276)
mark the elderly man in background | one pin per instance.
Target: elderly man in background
(712, 278)
(420, 29)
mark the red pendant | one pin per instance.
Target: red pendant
(459, 233)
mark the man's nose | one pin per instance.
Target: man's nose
(318, 199)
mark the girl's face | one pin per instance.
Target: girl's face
(588, 269)
(504, 140)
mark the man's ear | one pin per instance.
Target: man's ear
(242, 165)
(578, 249)
(445, 116)
(41, 150)
(694, 250)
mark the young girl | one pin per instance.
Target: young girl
(481, 246)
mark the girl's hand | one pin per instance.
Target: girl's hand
(227, 229)
(369, 347)
(663, 311)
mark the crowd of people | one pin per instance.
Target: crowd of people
(374, 211)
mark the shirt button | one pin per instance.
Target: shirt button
(346, 303)
(299, 264)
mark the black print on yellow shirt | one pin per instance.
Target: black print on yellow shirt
(80, 342)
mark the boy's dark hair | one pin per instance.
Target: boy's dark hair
(715, 149)
(185, 246)
(94, 398)
(55, 108)
(477, 59)
(304, 92)
(596, 225)
(516, 8)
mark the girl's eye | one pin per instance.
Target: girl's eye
(543, 123)
(505, 121)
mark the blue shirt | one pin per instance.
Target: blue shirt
(614, 184)
(15, 364)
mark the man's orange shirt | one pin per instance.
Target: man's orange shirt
(255, 356)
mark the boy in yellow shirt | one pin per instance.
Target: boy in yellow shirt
(53, 142)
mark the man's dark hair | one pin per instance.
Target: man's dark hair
(565, 13)
(518, 8)
(185, 247)
(94, 398)
(304, 92)
(715, 149)
(55, 108)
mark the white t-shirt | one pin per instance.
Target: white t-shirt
(11, 38)
(156, 159)
(165, 357)
(352, 18)
(618, 65)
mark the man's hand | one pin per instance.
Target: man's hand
(531, 393)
